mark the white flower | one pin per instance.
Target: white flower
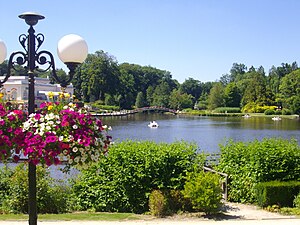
(65, 152)
(75, 149)
(75, 127)
(61, 138)
(77, 159)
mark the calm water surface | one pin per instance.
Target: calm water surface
(206, 132)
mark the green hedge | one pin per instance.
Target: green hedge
(124, 179)
(250, 163)
(227, 110)
(277, 193)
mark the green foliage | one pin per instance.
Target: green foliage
(123, 181)
(296, 201)
(232, 95)
(290, 91)
(52, 197)
(204, 191)
(286, 112)
(269, 112)
(98, 106)
(227, 110)
(180, 100)
(158, 204)
(168, 202)
(216, 96)
(140, 100)
(276, 193)
(254, 108)
(258, 161)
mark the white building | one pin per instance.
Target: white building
(16, 89)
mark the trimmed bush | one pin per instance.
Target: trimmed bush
(204, 191)
(123, 181)
(227, 110)
(277, 193)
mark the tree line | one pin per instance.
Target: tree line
(103, 80)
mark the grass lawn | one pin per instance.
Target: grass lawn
(76, 216)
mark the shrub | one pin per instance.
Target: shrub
(158, 204)
(124, 179)
(204, 191)
(51, 197)
(277, 193)
(286, 112)
(254, 108)
(168, 202)
(296, 201)
(278, 112)
(250, 163)
(227, 110)
(269, 112)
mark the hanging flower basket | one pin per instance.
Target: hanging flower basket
(57, 133)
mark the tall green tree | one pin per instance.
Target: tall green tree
(290, 91)
(191, 87)
(99, 75)
(140, 100)
(180, 100)
(232, 95)
(161, 95)
(255, 91)
(216, 96)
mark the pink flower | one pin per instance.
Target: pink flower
(51, 139)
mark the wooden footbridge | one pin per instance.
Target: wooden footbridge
(138, 110)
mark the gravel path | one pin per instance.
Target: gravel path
(237, 214)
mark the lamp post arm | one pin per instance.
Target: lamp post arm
(20, 61)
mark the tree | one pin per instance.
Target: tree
(290, 90)
(232, 95)
(149, 95)
(140, 100)
(237, 71)
(161, 95)
(180, 100)
(255, 91)
(99, 75)
(192, 87)
(216, 96)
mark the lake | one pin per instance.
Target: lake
(206, 132)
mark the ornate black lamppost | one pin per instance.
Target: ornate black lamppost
(72, 50)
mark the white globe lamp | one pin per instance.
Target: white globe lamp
(72, 49)
(3, 51)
